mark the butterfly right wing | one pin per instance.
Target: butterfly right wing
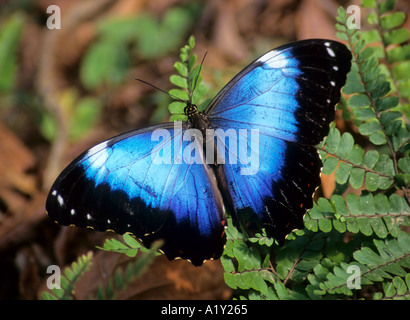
(288, 96)
(135, 183)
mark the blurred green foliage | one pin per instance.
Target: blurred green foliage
(10, 32)
(81, 114)
(122, 40)
(121, 43)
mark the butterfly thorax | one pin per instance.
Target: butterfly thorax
(196, 118)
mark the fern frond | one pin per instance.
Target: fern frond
(130, 246)
(397, 289)
(69, 279)
(188, 82)
(348, 231)
(135, 268)
(366, 214)
(392, 258)
(375, 106)
(352, 164)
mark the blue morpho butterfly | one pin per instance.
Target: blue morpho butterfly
(287, 96)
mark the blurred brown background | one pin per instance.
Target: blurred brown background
(63, 90)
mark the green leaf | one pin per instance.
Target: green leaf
(400, 53)
(353, 83)
(369, 128)
(396, 36)
(131, 241)
(179, 94)
(359, 100)
(179, 81)
(385, 6)
(356, 155)
(181, 68)
(392, 20)
(325, 225)
(370, 158)
(404, 164)
(104, 62)
(401, 70)
(343, 172)
(330, 164)
(178, 117)
(333, 140)
(353, 204)
(177, 107)
(356, 177)
(385, 165)
(378, 138)
(364, 226)
(364, 113)
(372, 181)
(345, 146)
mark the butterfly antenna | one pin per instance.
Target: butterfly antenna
(199, 73)
(159, 89)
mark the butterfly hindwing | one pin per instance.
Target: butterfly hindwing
(288, 95)
(132, 183)
(278, 186)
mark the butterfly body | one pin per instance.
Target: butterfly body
(251, 149)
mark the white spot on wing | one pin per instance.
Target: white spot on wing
(330, 50)
(60, 200)
(274, 59)
(98, 155)
(97, 148)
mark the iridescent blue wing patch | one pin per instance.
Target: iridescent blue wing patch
(288, 95)
(136, 183)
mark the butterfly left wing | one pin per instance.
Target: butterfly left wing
(131, 183)
(288, 96)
